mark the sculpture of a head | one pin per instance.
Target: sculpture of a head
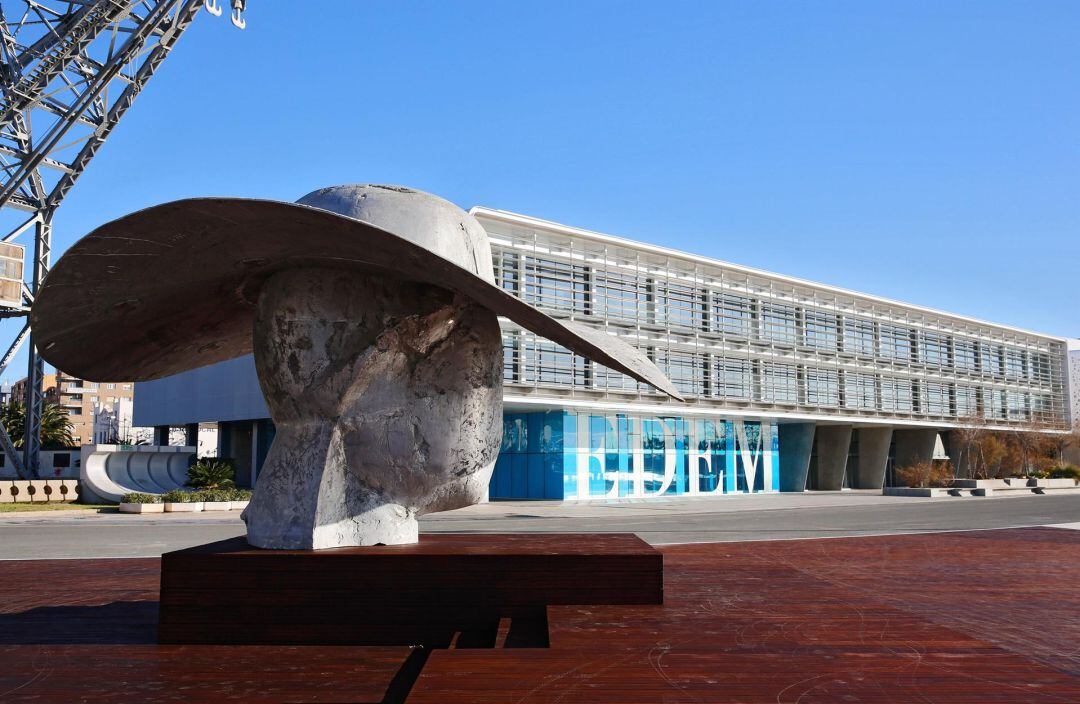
(372, 312)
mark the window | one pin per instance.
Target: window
(554, 284)
(127, 387)
(506, 270)
(896, 395)
(992, 360)
(820, 330)
(779, 383)
(734, 378)
(685, 369)
(935, 399)
(822, 387)
(621, 296)
(511, 357)
(965, 355)
(1016, 405)
(548, 363)
(860, 391)
(1014, 365)
(993, 404)
(859, 336)
(734, 315)
(967, 402)
(935, 349)
(778, 323)
(111, 386)
(62, 459)
(680, 305)
(1040, 367)
(895, 342)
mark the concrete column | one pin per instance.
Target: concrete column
(869, 471)
(224, 439)
(161, 435)
(833, 445)
(796, 443)
(914, 445)
(191, 435)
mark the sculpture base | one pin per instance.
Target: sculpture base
(446, 589)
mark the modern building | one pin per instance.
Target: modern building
(790, 385)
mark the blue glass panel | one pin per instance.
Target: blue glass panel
(499, 488)
(519, 476)
(535, 476)
(729, 458)
(775, 457)
(553, 476)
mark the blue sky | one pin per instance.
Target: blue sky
(924, 151)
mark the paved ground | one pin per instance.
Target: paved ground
(729, 519)
(973, 616)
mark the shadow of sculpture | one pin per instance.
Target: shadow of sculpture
(116, 623)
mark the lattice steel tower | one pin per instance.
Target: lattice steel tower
(69, 70)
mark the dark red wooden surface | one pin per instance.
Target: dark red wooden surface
(990, 616)
(228, 592)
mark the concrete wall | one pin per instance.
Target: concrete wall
(225, 391)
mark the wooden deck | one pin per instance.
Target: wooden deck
(991, 616)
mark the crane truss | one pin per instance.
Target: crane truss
(69, 70)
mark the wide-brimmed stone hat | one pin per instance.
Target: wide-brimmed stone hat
(174, 286)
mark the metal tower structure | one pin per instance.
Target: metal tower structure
(69, 70)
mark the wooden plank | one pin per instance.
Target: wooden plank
(989, 616)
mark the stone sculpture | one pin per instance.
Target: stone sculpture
(372, 312)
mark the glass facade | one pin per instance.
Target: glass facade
(581, 456)
(731, 337)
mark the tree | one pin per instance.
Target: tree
(966, 438)
(56, 427)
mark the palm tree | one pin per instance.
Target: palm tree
(56, 427)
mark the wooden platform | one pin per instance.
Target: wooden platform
(445, 589)
(990, 616)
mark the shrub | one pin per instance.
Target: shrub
(921, 475)
(136, 497)
(1066, 472)
(179, 496)
(240, 495)
(211, 473)
(214, 495)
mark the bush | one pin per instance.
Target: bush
(136, 497)
(214, 495)
(1066, 472)
(211, 473)
(922, 475)
(240, 495)
(179, 496)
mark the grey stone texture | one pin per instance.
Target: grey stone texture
(387, 397)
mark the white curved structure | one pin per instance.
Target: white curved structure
(108, 472)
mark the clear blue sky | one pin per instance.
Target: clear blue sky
(924, 151)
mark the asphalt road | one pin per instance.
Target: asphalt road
(777, 517)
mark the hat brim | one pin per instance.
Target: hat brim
(171, 288)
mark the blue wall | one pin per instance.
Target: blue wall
(564, 455)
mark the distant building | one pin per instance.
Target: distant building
(85, 401)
